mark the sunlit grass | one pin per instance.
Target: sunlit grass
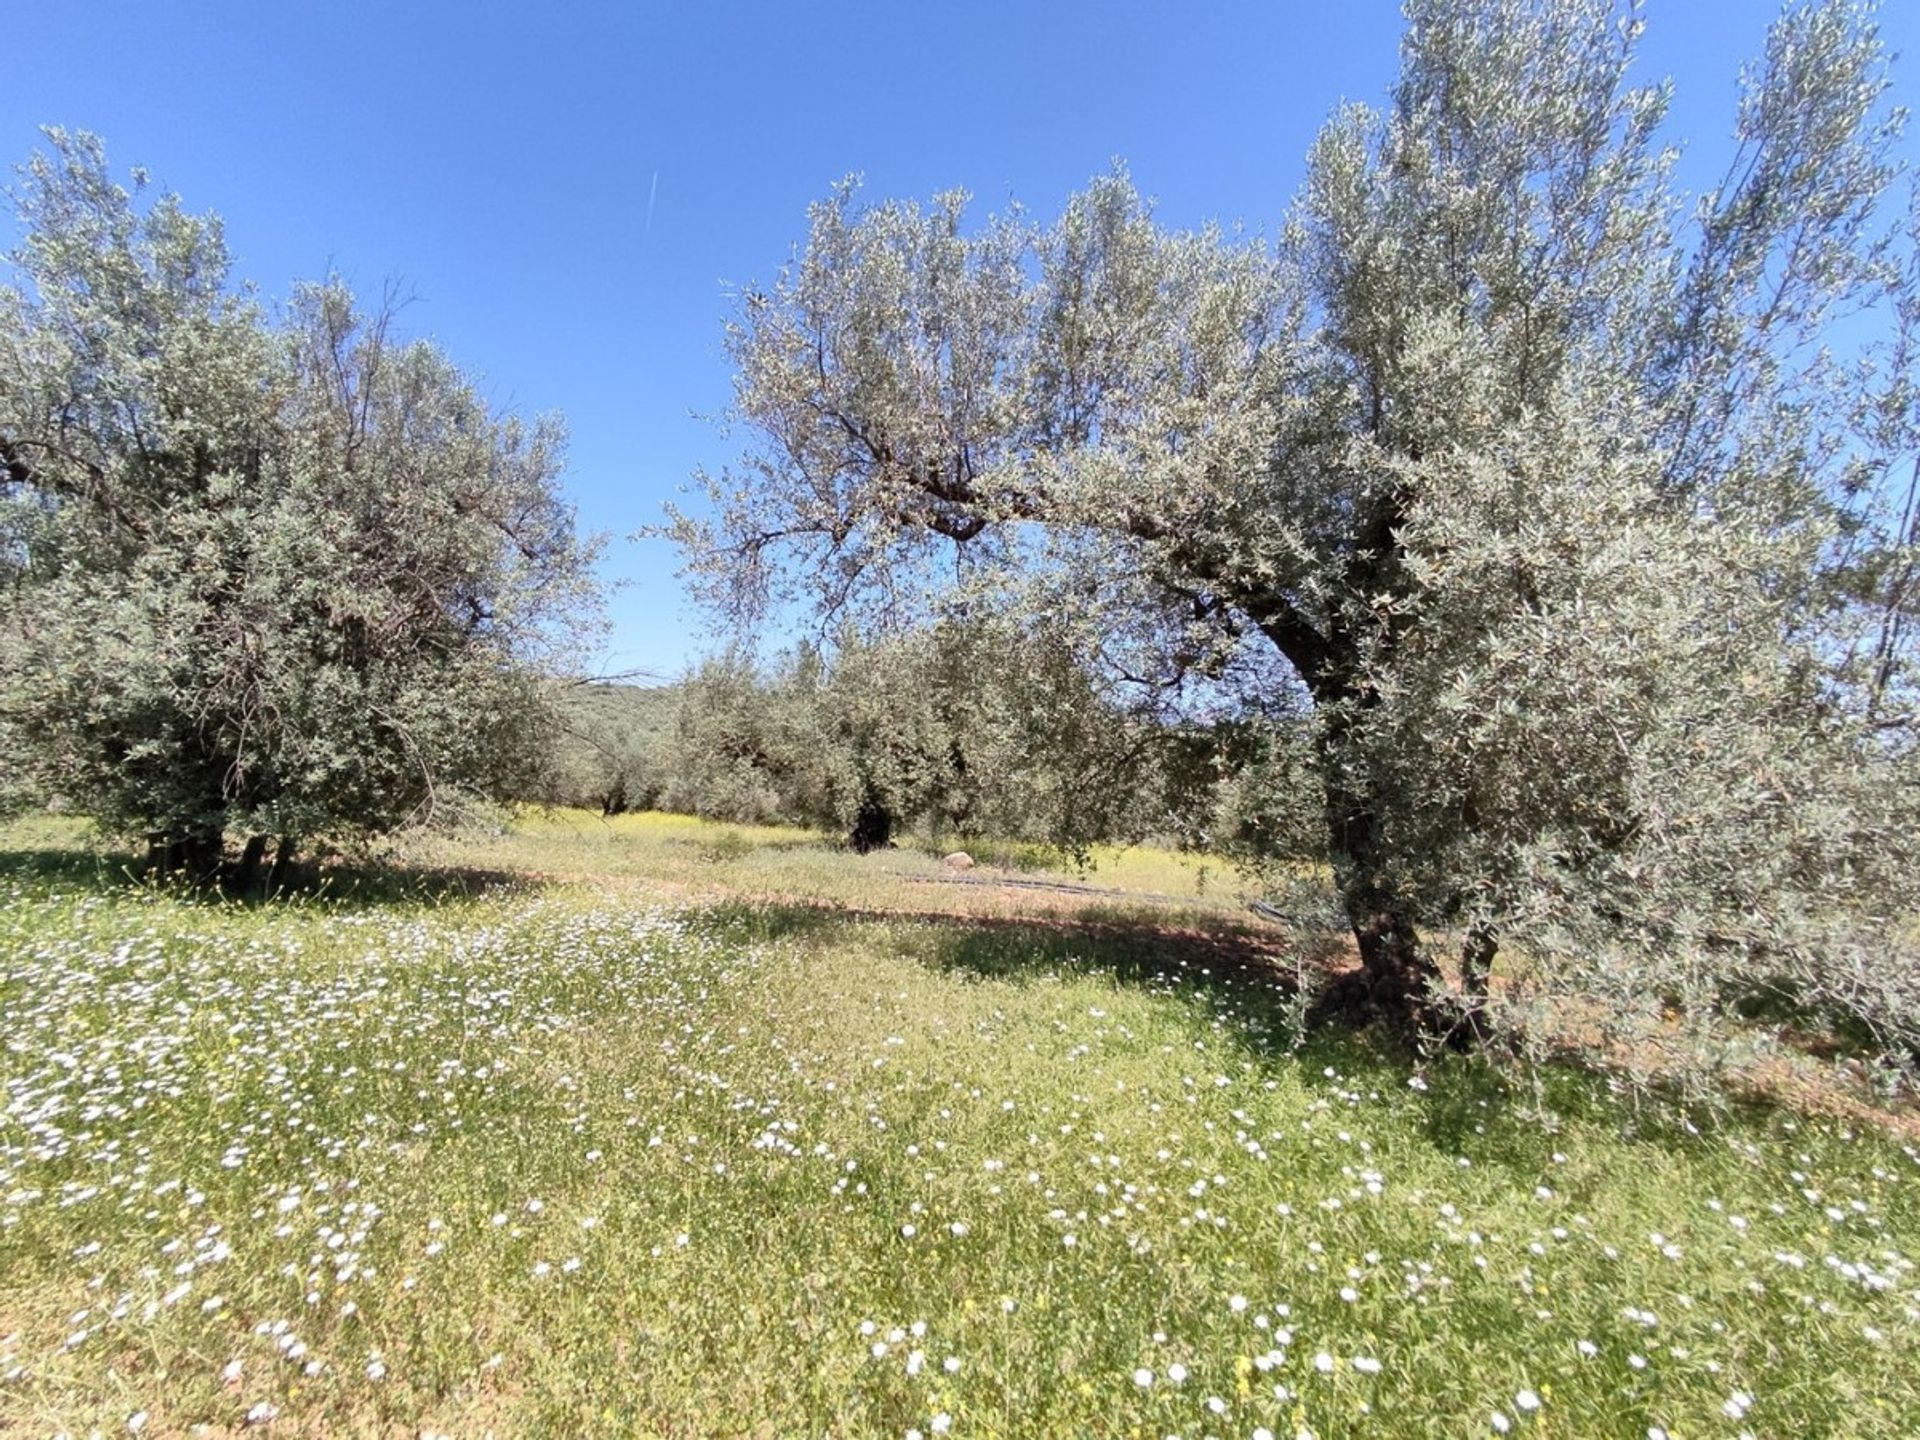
(695, 858)
(586, 1160)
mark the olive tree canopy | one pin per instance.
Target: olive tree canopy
(1556, 490)
(258, 576)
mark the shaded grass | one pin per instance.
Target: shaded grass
(44, 855)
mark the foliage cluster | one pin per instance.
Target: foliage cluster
(974, 726)
(261, 576)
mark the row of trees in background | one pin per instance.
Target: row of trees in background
(263, 576)
(975, 728)
(979, 728)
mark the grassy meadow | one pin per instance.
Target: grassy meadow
(653, 1127)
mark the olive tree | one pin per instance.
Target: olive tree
(606, 748)
(1555, 490)
(266, 577)
(735, 744)
(983, 725)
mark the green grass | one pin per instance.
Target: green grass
(651, 1150)
(695, 859)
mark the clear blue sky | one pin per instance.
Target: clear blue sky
(568, 189)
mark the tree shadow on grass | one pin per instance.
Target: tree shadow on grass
(1021, 949)
(725, 846)
(351, 886)
(1469, 1104)
(331, 886)
(1254, 971)
(65, 869)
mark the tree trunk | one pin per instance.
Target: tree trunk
(872, 828)
(1396, 978)
(1476, 976)
(194, 855)
(282, 864)
(1476, 963)
(1398, 972)
(246, 874)
(201, 853)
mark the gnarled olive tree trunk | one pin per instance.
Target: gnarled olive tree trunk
(1396, 977)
